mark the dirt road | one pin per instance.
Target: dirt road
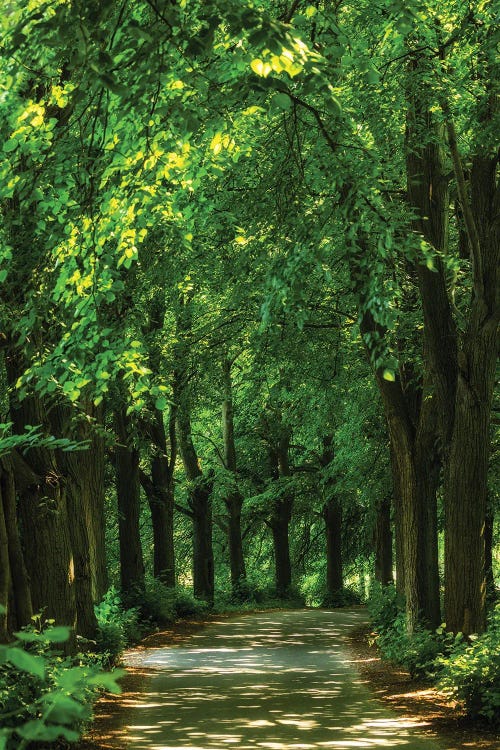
(277, 680)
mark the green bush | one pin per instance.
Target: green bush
(384, 606)
(419, 652)
(156, 603)
(45, 697)
(187, 605)
(117, 627)
(471, 674)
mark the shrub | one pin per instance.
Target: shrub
(187, 605)
(343, 598)
(43, 696)
(117, 627)
(471, 674)
(156, 603)
(419, 652)
(384, 606)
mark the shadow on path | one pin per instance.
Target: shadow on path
(280, 680)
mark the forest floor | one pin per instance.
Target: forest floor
(417, 700)
(415, 704)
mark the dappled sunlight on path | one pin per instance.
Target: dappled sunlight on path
(276, 681)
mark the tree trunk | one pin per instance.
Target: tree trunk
(234, 500)
(234, 503)
(129, 505)
(20, 584)
(398, 526)
(411, 425)
(159, 489)
(427, 472)
(334, 570)
(465, 489)
(280, 523)
(201, 508)
(383, 542)
(4, 573)
(203, 556)
(281, 512)
(96, 495)
(488, 553)
(45, 526)
(78, 468)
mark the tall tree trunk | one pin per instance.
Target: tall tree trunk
(4, 572)
(465, 490)
(411, 427)
(234, 503)
(281, 514)
(488, 552)
(45, 525)
(334, 567)
(78, 468)
(159, 488)
(96, 495)
(201, 508)
(383, 542)
(398, 525)
(280, 524)
(159, 485)
(427, 472)
(129, 506)
(234, 499)
(20, 583)
(203, 556)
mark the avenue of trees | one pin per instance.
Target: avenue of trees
(249, 266)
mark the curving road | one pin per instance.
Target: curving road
(279, 680)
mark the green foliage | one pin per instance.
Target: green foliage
(118, 626)
(187, 605)
(420, 652)
(314, 592)
(45, 697)
(384, 606)
(471, 674)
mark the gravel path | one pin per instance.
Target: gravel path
(278, 680)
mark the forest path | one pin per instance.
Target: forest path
(277, 680)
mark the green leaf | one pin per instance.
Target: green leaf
(34, 665)
(281, 101)
(58, 634)
(389, 375)
(10, 146)
(108, 680)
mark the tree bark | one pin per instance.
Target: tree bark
(281, 514)
(398, 525)
(200, 504)
(488, 553)
(280, 523)
(160, 493)
(4, 573)
(79, 469)
(411, 423)
(203, 556)
(465, 489)
(334, 567)
(45, 523)
(159, 485)
(129, 505)
(20, 583)
(383, 542)
(234, 499)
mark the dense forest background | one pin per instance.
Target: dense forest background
(249, 257)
